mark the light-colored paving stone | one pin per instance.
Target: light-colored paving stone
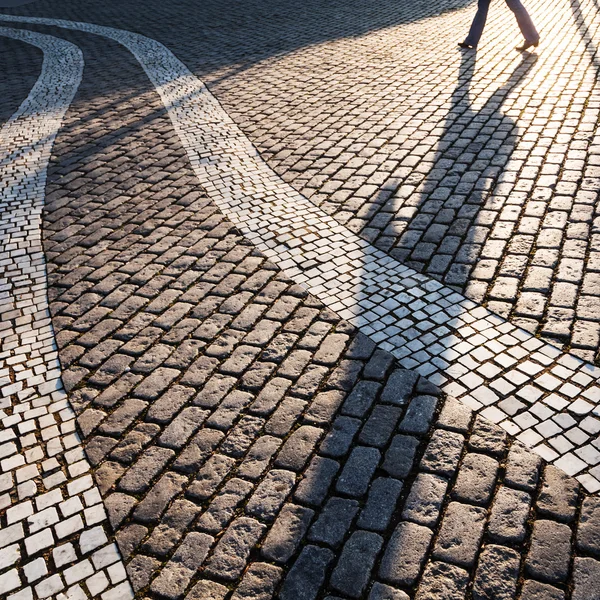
(549, 400)
(52, 521)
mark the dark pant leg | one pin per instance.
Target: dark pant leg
(524, 20)
(478, 23)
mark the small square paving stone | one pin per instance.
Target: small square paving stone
(558, 497)
(405, 554)
(307, 574)
(497, 574)
(460, 534)
(549, 554)
(476, 479)
(442, 581)
(510, 512)
(534, 590)
(586, 579)
(287, 532)
(588, 530)
(425, 499)
(353, 570)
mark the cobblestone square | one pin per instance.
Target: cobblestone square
(298, 301)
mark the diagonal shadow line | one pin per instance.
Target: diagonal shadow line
(584, 30)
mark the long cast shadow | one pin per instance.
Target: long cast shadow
(447, 233)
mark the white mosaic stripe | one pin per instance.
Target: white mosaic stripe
(547, 399)
(53, 526)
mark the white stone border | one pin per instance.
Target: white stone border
(547, 399)
(53, 527)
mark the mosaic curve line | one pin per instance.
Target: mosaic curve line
(547, 399)
(54, 536)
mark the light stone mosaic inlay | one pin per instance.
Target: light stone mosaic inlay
(547, 399)
(53, 526)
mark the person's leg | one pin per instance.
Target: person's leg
(478, 23)
(524, 20)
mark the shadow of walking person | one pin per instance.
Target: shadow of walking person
(449, 219)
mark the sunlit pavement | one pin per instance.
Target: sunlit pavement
(259, 347)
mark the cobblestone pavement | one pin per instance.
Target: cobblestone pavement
(249, 442)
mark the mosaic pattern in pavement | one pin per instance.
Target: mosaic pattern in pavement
(53, 538)
(548, 400)
(123, 404)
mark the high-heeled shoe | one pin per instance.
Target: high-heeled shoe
(527, 44)
(467, 46)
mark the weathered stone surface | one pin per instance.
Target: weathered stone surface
(381, 504)
(442, 581)
(460, 534)
(497, 574)
(316, 481)
(588, 531)
(380, 591)
(419, 414)
(443, 452)
(307, 574)
(534, 590)
(399, 387)
(354, 566)
(522, 468)
(270, 494)
(586, 578)
(405, 554)
(230, 556)
(400, 456)
(259, 582)
(358, 470)
(455, 416)
(548, 558)
(298, 448)
(424, 501)
(476, 479)
(510, 512)
(287, 533)
(558, 496)
(487, 437)
(334, 521)
(380, 426)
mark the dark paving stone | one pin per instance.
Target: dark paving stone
(353, 570)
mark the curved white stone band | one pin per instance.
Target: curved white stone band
(54, 539)
(530, 388)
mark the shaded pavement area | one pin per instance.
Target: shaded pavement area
(248, 442)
